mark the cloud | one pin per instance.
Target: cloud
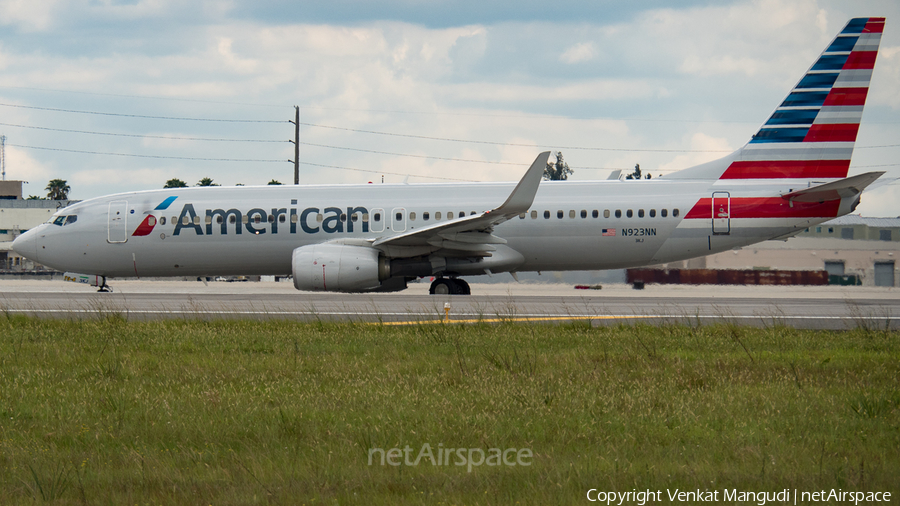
(28, 15)
(579, 53)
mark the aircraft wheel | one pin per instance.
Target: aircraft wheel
(463, 287)
(442, 286)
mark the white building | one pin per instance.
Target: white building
(17, 216)
(851, 245)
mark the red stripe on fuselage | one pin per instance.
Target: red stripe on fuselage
(846, 96)
(861, 60)
(787, 169)
(767, 207)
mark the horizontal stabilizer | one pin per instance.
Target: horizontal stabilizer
(843, 188)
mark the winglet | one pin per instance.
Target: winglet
(523, 195)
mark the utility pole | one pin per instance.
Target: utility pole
(3, 156)
(296, 142)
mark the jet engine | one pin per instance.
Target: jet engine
(338, 268)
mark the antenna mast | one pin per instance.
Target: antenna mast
(3, 156)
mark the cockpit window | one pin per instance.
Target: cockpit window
(64, 220)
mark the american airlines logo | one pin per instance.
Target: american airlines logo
(260, 221)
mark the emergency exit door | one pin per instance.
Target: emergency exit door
(721, 213)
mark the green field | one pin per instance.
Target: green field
(108, 411)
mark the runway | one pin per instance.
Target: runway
(801, 307)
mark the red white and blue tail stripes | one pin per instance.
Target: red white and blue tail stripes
(812, 133)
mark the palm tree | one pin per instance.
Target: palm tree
(206, 182)
(58, 190)
(175, 183)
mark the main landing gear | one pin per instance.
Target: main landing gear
(449, 286)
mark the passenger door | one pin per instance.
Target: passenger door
(118, 223)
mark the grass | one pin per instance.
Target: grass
(107, 411)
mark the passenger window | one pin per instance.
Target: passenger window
(174, 220)
(257, 219)
(546, 215)
(533, 215)
(376, 217)
(629, 213)
(162, 220)
(437, 215)
(245, 220)
(571, 213)
(653, 213)
(674, 213)
(293, 218)
(462, 214)
(618, 213)
(209, 220)
(353, 217)
(219, 219)
(232, 219)
(320, 218)
(584, 213)
(412, 216)
(664, 213)
(398, 216)
(281, 218)
(522, 216)
(196, 220)
(605, 213)
(450, 215)
(425, 216)
(559, 214)
(185, 221)
(640, 213)
(343, 217)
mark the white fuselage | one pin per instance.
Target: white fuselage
(570, 225)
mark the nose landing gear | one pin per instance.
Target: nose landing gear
(449, 286)
(104, 287)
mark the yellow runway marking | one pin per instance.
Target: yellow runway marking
(514, 319)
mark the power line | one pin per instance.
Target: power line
(493, 143)
(384, 172)
(405, 154)
(147, 156)
(168, 137)
(74, 111)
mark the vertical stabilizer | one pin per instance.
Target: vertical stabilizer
(812, 133)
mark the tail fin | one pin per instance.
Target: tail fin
(812, 133)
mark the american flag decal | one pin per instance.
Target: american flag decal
(609, 232)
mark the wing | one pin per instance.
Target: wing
(470, 236)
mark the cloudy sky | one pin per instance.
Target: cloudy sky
(124, 95)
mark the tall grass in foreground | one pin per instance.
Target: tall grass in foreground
(192, 412)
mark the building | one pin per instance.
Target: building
(867, 248)
(17, 216)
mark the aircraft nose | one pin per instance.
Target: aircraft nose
(26, 245)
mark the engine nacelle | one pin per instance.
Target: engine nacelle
(338, 268)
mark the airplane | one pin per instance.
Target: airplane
(791, 175)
